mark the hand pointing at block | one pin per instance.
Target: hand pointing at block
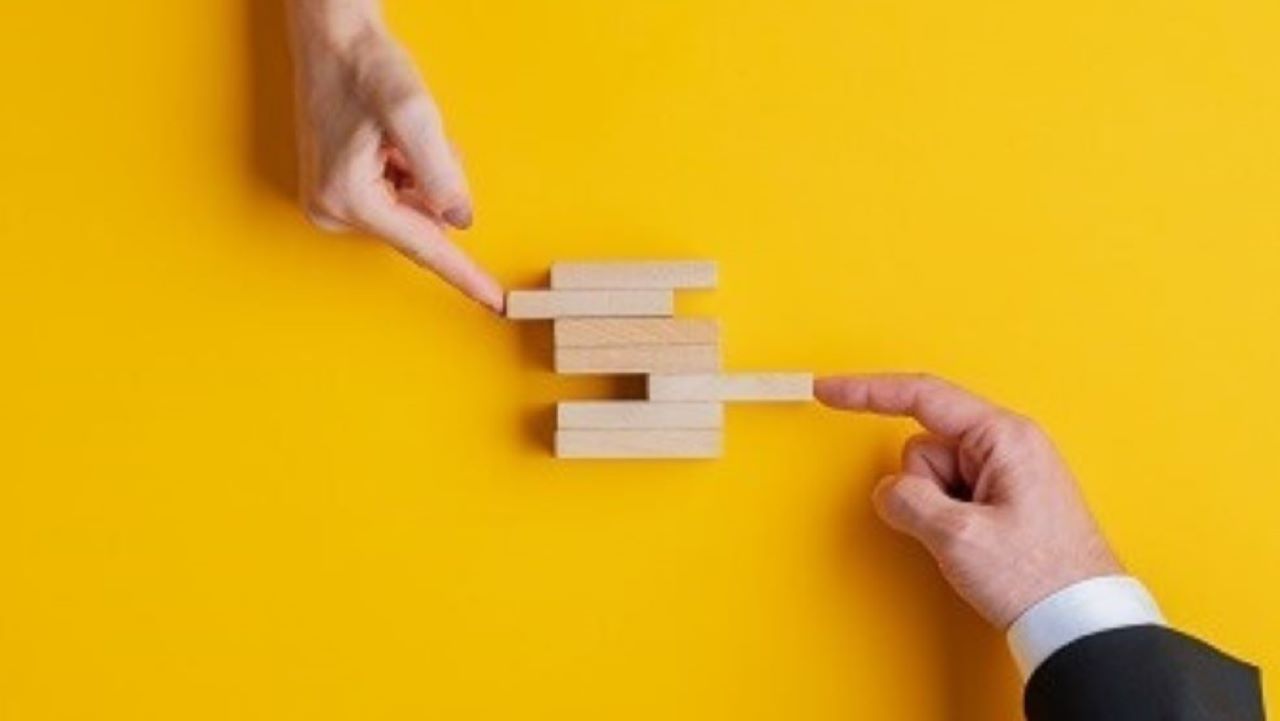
(374, 155)
(988, 495)
(984, 490)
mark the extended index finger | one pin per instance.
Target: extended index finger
(940, 406)
(415, 235)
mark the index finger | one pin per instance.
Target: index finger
(415, 235)
(939, 406)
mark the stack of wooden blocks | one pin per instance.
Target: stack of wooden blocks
(618, 318)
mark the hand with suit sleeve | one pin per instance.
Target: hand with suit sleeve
(373, 152)
(987, 494)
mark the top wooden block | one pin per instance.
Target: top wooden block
(633, 275)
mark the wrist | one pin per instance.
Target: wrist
(1094, 605)
(1043, 574)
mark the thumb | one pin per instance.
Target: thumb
(417, 131)
(411, 119)
(918, 506)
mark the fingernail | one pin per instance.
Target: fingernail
(459, 217)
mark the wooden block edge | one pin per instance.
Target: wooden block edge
(561, 269)
(718, 395)
(714, 411)
(715, 446)
(709, 360)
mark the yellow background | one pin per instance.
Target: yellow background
(251, 471)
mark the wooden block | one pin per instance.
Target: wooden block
(635, 274)
(639, 359)
(571, 415)
(639, 444)
(541, 304)
(731, 387)
(602, 332)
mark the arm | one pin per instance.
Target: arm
(372, 148)
(984, 490)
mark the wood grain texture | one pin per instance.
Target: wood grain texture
(639, 359)
(549, 304)
(634, 274)
(604, 332)
(572, 415)
(639, 443)
(731, 387)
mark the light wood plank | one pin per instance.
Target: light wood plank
(731, 387)
(572, 415)
(639, 444)
(547, 304)
(639, 359)
(603, 332)
(634, 274)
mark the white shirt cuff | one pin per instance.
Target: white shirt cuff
(1081, 609)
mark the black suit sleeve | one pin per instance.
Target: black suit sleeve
(1143, 673)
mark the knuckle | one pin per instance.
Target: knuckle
(916, 443)
(340, 195)
(385, 70)
(914, 448)
(332, 196)
(323, 220)
(326, 202)
(933, 382)
(1018, 431)
(888, 500)
(326, 209)
(926, 380)
(411, 110)
(958, 528)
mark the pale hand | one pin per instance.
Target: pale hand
(373, 152)
(984, 490)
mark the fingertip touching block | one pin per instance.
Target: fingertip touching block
(620, 444)
(634, 274)
(550, 304)
(638, 415)
(731, 387)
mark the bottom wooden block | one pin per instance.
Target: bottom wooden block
(639, 444)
